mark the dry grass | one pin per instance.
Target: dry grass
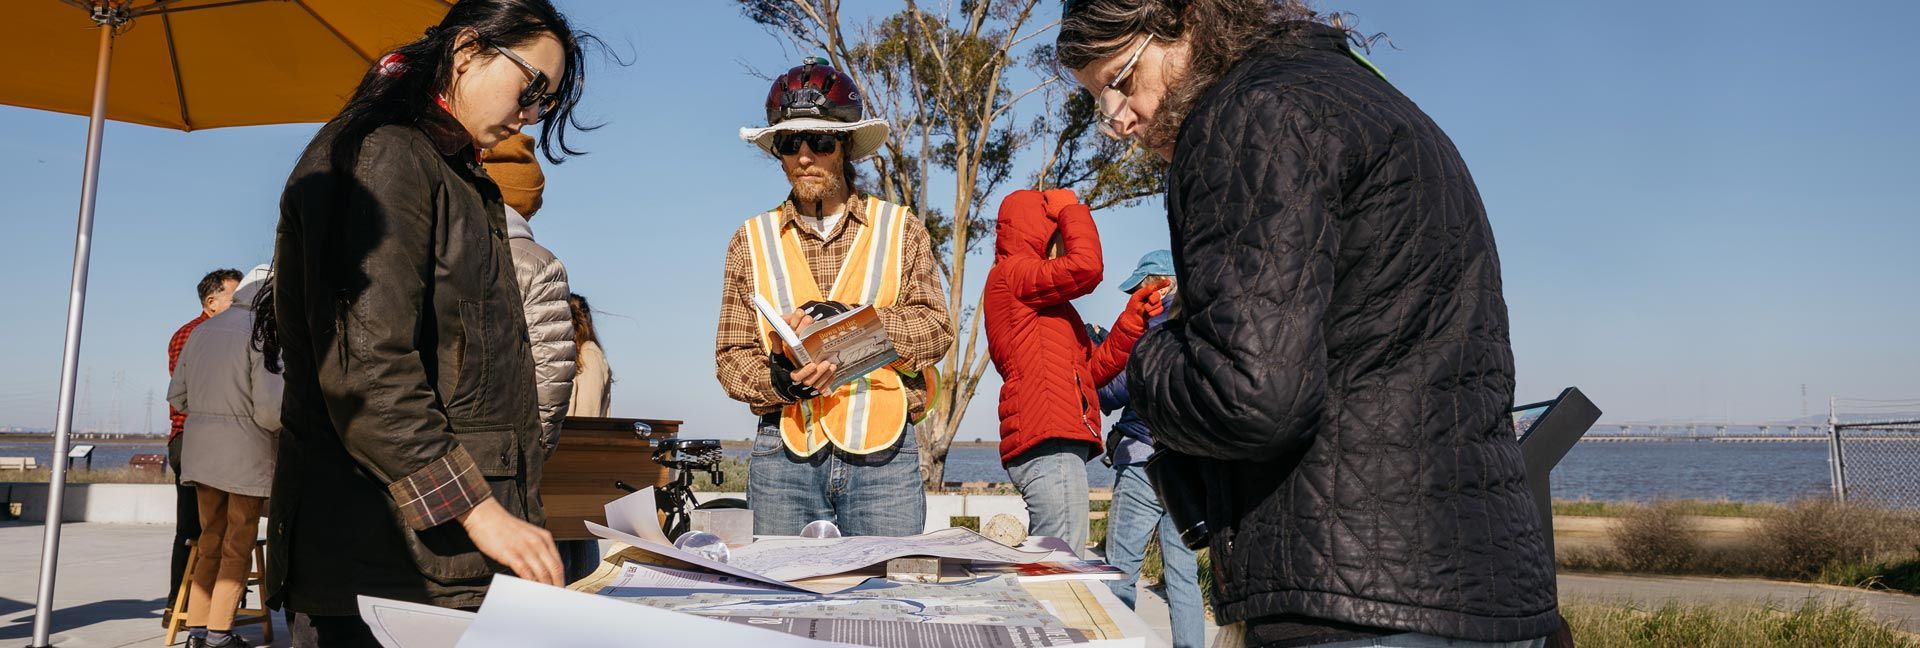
(1655, 539)
(121, 475)
(1701, 508)
(1816, 536)
(1856, 545)
(1697, 626)
(733, 475)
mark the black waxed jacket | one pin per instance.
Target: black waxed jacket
(407, 363)
(1342, 364)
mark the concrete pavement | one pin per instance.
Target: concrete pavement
(111, 588)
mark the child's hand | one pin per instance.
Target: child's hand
(1149, 302)
(1056, 200)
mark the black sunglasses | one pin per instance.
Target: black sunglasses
(821, 143)
(535, 92)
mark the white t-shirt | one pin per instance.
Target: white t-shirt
(823, 224)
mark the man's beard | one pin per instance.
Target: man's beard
(812, 188)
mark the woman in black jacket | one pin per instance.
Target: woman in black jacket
(410, 418)
(1341, 369)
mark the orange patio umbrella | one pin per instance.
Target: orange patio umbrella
(187, 65)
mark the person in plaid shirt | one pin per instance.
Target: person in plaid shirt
(846, 455)
(216, 294)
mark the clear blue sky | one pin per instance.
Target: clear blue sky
(1700, 206)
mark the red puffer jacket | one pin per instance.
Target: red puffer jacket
(1036, 338)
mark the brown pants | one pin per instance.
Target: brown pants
(228, 524)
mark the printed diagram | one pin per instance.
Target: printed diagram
(792, 559)
(996, 601)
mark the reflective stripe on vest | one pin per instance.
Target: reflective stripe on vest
(868, 414)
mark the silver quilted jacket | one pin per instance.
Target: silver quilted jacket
(543, 288)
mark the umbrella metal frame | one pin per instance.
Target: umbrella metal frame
(109, 18)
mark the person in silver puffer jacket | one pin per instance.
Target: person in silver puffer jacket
(542, 279)
(543, 291)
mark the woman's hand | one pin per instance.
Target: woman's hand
(524, 548)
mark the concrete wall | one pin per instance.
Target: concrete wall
(114, 503)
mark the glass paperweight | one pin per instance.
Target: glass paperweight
(703, 544)
(820, 529)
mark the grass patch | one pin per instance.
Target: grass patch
(1702, 508)
(1696, 626)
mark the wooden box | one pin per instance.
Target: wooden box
(593, 454)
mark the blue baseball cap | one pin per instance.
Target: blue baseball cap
(1157, 262)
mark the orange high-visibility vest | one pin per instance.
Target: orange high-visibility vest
(868, 414)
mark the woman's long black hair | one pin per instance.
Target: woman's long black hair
(403, 92)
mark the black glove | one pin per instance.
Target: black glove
(784, 385)
(820, 310)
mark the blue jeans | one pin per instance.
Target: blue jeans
(879, 494)
(578, 558)
(1135, 514)
(1052, 478)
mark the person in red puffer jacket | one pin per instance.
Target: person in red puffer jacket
(1046, 254)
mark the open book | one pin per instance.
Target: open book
(855, 341)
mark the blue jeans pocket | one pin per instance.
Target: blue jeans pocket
(767, 442)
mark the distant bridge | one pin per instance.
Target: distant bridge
(1724, 432)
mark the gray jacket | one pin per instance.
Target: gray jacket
(234, 418)
(543, 291)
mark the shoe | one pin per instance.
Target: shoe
(196, 642)
(233, 641)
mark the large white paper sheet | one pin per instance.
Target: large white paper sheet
(637, 514)
(519, 613)
(790, 559)
(399, 624)
(686, 557)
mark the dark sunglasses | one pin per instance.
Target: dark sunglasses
(821, 143)
(536, 90)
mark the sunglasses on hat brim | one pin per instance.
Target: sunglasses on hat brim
(820, 143)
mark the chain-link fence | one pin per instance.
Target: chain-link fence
(1875, 452)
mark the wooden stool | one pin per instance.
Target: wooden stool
(244, 616)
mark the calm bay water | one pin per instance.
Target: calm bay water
(1755, 472)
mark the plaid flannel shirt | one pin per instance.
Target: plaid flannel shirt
(917, 323)
(174, 346)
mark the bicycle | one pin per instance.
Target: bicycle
(685, 457)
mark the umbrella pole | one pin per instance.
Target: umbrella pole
(76, 313)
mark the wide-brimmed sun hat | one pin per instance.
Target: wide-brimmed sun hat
(814, 97)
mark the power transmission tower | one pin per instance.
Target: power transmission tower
(113, 419)
(86, 400)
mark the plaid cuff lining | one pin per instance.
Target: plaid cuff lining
(442, 491)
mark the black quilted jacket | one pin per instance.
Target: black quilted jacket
(1342, 364)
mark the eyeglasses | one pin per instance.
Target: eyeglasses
(536, 90)
(1111, 99)
(821, 143)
